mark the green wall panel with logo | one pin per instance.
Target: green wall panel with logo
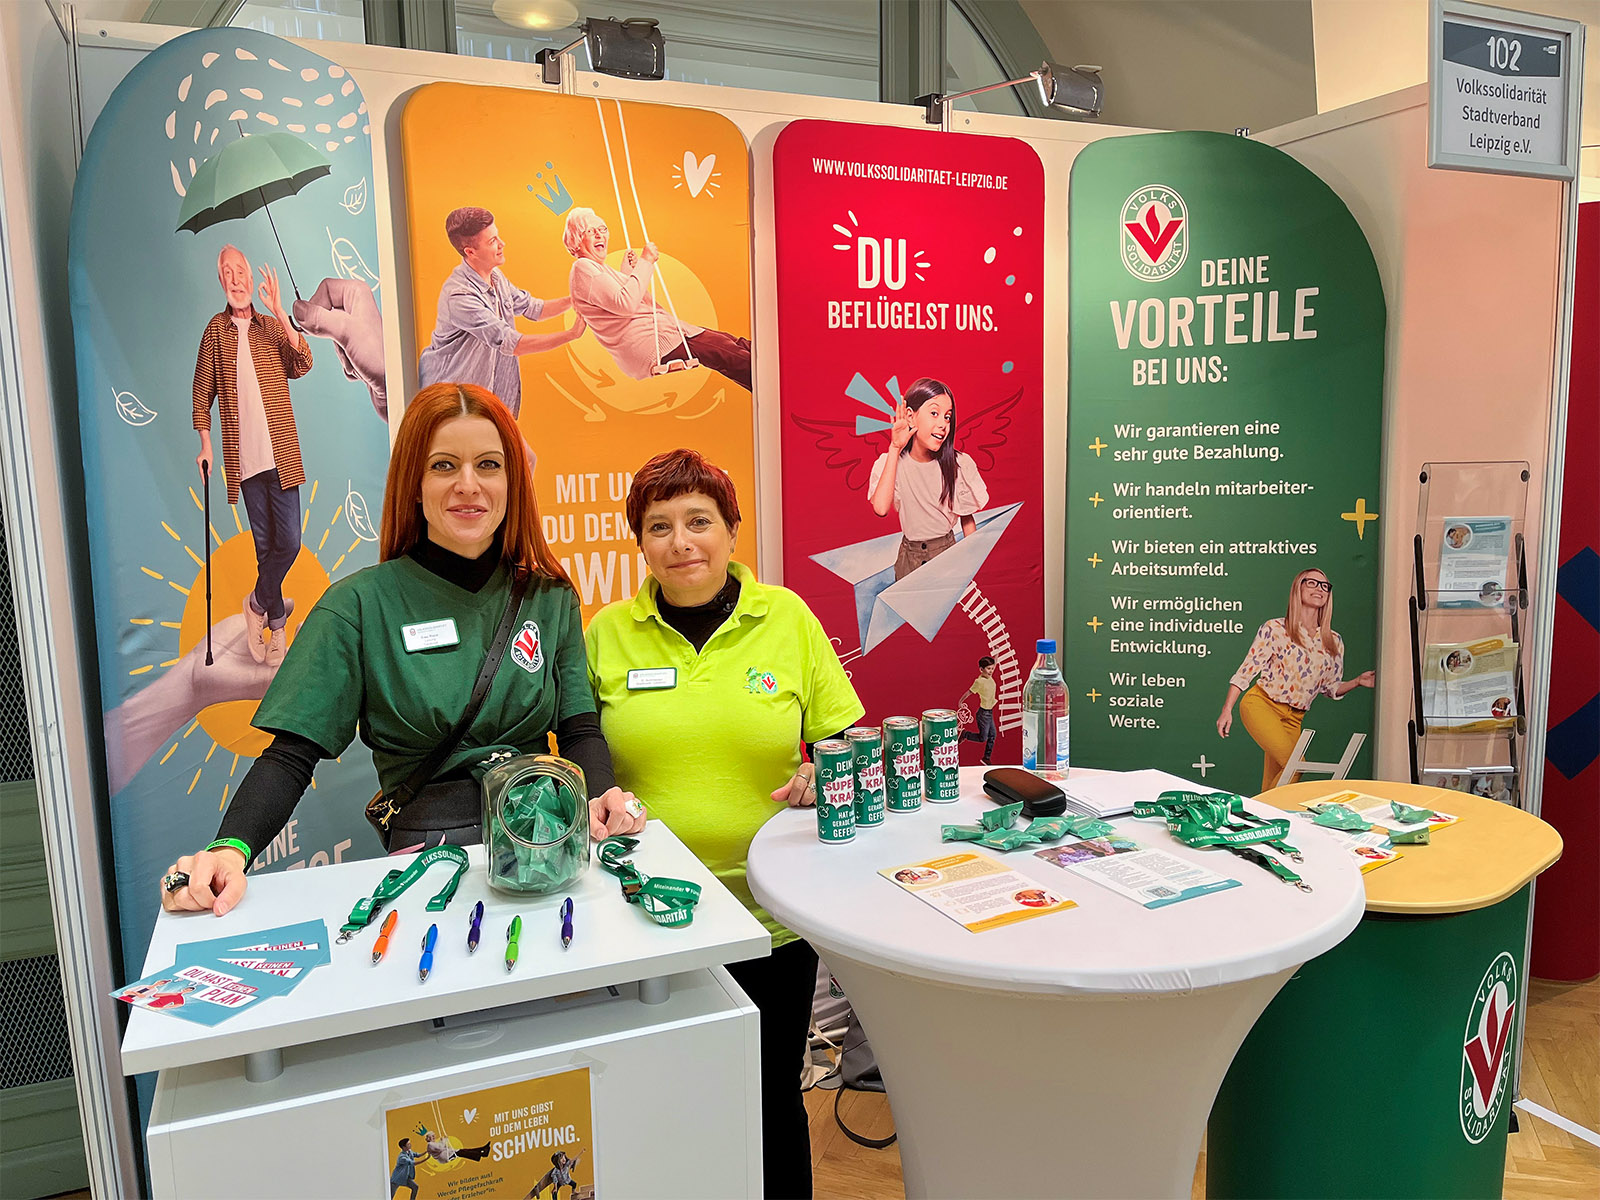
(1226, 355)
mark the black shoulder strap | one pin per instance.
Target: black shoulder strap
(423, 775)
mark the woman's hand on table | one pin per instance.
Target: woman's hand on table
(614, 814)
(801, 789)
(216, 882)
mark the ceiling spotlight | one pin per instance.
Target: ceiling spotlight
(1075, 89)
(537, 14)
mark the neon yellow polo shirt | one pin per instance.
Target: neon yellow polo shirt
(706, 753)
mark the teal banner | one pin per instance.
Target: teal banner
(1224, 423)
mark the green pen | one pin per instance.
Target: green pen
(512, 935)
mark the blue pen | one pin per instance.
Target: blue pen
(566, 922)
(473, 932)
(426, 964)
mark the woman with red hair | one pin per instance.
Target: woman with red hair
(392, 653)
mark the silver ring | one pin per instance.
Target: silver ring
(633, 808)
(811, 783)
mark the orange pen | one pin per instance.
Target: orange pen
(382, 943)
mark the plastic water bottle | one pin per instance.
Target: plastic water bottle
(1046, 735)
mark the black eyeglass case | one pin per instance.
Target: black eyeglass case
(1039, 797)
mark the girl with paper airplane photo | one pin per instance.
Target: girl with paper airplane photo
(924, 478)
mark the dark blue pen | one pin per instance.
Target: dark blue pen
(426, 964)
(472, 933)
(566, 922)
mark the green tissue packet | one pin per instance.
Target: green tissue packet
(1008, 839)
(534, 811)
(1338, 816)
(1404, 812)
(1050, 829)
(1002, 817)
(1087, 827)
(961, 833)
(1414, 837)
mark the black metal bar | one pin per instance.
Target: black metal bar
(1416, 671)
(1411, 739)
(1522, 575)
(1420, 587)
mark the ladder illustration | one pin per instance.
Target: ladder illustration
(1334, 770)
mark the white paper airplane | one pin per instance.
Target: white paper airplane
(924, 598)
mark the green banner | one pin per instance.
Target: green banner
(1226, 362)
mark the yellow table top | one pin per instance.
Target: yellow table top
(1486, 856)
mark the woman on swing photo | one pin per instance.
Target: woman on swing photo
(621, 310)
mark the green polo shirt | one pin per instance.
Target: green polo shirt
(706, 753)
(349, 669)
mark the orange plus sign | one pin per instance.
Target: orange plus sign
(1097, 500)
(1095, 560)
(1361, 516)
(1094, 623)
(1097, 445)
(1093, 695)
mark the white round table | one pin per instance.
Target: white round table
(1076, 1054)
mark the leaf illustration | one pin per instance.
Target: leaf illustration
(355, 197)
(131, 409)
(348, 263)
(355, 512)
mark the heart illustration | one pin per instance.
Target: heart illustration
(697, 171)
(469, 1115)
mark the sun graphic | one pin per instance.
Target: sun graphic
(677, 289)
(233, 576)
(852, 236)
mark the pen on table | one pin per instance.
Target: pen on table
(512, 936)
(566, 922)
(426, 964)
(384, 931)
(473, 932)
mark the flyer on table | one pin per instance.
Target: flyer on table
(975, 891)
(534, 1137)
(1151, 877)
(206, 992)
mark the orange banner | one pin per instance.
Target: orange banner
(640, 214)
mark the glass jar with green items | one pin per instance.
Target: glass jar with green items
(535, 824)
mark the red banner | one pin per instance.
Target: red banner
(910, 309)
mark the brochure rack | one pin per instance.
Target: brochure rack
(1468, 609)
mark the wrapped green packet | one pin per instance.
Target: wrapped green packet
(1008, 839)
(1339, 816)
(1408, 814)
(1412, 837)
(1087, 827)
(961, 833)
(1000, 818)
(1050, 829)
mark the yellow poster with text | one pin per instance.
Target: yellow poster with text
(608, 302)
(529, 1139)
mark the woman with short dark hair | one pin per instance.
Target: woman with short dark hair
(708, 683)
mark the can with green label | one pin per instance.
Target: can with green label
(941, 756)
(866, 748)
(836, 790)
(902, 764)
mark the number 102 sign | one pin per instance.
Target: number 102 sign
(1503, 91)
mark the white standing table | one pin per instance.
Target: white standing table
(639, 1004)
(1076, 1054)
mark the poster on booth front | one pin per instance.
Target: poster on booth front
(910, 325)
(226, 308)
(532, 1139)
(588, 261)
(1223, 438)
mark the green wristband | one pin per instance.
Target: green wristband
(233, 844)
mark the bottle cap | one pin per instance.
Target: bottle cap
(1046, 646)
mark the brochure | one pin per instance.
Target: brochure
(1470, 686)
(1152, 877)
(207, 992)
(1115, 794)
(1371, 850)
(308, 938)
(975, 891)
(1474, 556)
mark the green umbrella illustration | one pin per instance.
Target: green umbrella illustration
(248, 174)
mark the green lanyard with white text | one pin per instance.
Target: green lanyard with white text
(665, 901)
(1213, 819)
(396, 882)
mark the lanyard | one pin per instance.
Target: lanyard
(396, 882)
(1219, 819)
(665, 901)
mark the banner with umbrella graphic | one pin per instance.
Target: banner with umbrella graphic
(223, 159)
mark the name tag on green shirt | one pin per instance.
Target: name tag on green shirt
(430, 635)
(653, 679)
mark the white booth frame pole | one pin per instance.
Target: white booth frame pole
(1544, 596)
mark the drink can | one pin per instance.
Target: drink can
(836, 790)
(902, 763)
(866, 748)
(941, 756)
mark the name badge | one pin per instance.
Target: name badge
(654, 679)
(430, 635)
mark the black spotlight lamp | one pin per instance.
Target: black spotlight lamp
(629, 49)
(1077, 90)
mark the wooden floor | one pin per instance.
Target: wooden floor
(1561, 1072)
